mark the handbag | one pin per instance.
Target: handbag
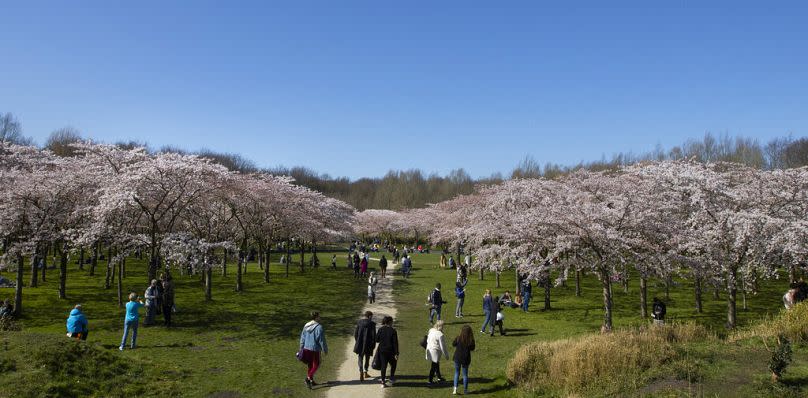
(376, 364)
(299, 355)
(423, 342)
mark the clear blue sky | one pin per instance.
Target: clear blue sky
(357, 88)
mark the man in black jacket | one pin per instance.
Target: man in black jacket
(658, 311)
(436, 301)
(365, 336)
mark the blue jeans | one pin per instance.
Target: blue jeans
(525, 302)
(433, 312)
(459, 307)
(465, 369)
(487, 320)
(127, 325)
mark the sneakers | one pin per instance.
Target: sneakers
(454, 391)
(308, 383)
(120, 348)
(361, 376)
(367, 375)
(384, 385)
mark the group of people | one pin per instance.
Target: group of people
(797, 292)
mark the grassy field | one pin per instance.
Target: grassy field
(242, 344)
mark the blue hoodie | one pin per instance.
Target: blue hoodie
(312, 337)
(76, 322)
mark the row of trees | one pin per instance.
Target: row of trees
(723, 225)
(184, 210)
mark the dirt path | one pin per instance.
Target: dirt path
(347, 384)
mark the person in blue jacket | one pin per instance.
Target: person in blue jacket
(487, 306)
(77, 324)
(460, 293)
(312, 342)
(131, 320)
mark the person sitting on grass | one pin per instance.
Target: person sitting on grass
(131, 320)
(658, 311)
(6, 309)
(506, 299)
(77, 324)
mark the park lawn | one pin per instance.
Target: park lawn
(722, 369)
(240, 344)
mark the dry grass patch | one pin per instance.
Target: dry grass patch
(607, 363)
(792, 324)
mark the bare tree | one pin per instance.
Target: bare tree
(60, 141)
(11, 131)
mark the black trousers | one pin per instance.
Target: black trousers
(501, 332)
(434, 370)
(388, 358)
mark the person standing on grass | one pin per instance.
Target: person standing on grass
(77, 324)
(658, 311)
(460, 293)
(364, 341)
(435, 349)
(131, 320)
(443, 260)
(527, 290)
(334, 262)
(387, 337)
(151, 302)
(488, 304)
(496, 316)
(437, 302)
(168, 299)
(464, 345)
(312, 342)
(356, 265)
(158, 300)
(383, 266)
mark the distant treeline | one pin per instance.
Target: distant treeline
(414, 188)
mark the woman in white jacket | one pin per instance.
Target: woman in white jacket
(435, 348)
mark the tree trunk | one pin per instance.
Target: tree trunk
(667, 287)
(154, 260)
(497, 279)
(518, 284)
(224, 263)
(62, 270)
(120, 283)
(697, 286)
(731, 310)
(607, 299)
(625, 278)
(643, 297)
(577, 283)
(288, 258)
(260, 258)
(44, 265)
(302, 255)
(208, 282)
(18, 288)
(81, 259)
(123, 268)
(481, 273)
(792, 273)
(267, 259)
(34, 274)
(547, 293)
(241, 258)
(108, 277)
(94, 260)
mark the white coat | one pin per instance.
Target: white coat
(435, 346)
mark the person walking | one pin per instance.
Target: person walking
(383, 266)
(364, 341)
(406, 266)
(131, 320)
(435, 348)
(363, 267)
(464, 345)
(312, 343)
(151, 303)
(356, 265)
(77, 324)
(436, 303)
(168, 299)
(387, 337)
(460, 293)
(527, 291)
(372, 282)
(334, 262)
(487, 306)
(496, 316)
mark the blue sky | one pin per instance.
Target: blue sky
(357, 88)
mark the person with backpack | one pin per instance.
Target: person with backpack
(387, 350)
(312, 343)
(460, 293)
(658, 311)
(364, 341)
(464, 345)
(436, 303)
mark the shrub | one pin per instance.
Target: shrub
(607, 363)
(781, 357)
(793, 324)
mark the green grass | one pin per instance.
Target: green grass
(242, 344)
